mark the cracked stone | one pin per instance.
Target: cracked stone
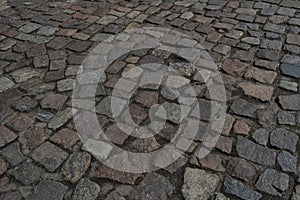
(284, 139)
(49, 155)
(272, 182)
(199, 184)
(76, 165)
(254, 152)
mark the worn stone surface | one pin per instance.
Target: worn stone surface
(86, 189)
(237, 188)
(76, 165)
(290, 102)
(272, 182)
(65, 137)
(49, 190)
(242, 169)
(254, 152)
(254, 45)
(244, 108)
(284, 139)
(261, 92)
(49, 155)
(198, 184)
(153, 186)
(27, 173)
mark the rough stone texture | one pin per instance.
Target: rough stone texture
(255, 45)
(261, 136)
(243, 107)
(287, 161)
(54, 101)
(27, 173)
(153, 186)
(76, 165)
(5, 83)
(284, 139)
(290, 102)
(12, 154)
(211, 161)
(237, 188)
(272, 181)
(65, 137)
(242, 169)
(199, 184)
(21, 123)
(60, 118)
(86, 189)
(6, 136)
(261, 92)
(49, 155)
(241, 127)
(254, 152)
(25, 104)
(49, 190)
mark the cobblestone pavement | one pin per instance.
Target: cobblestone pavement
(256, 45)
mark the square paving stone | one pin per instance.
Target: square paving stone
(12, 154)
(49, 155)
(27, 173)
(49, 190)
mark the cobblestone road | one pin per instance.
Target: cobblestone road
(256, 45)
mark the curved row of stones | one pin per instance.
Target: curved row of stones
(254, 43)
